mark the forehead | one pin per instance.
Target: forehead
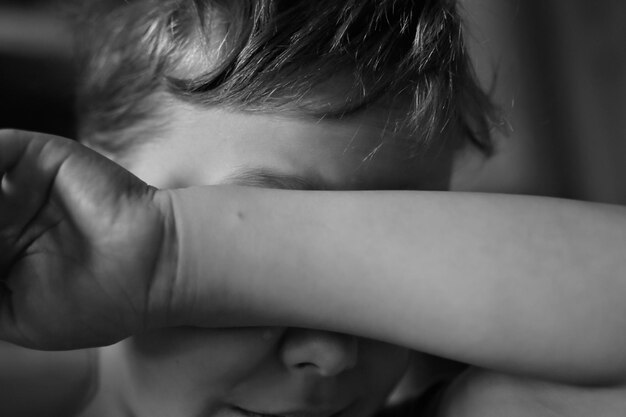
(203, 146)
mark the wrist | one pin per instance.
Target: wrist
(161, 310)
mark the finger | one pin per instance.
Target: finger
(12, 145)
(29, 162)
(18, 158)
(7, 322)
(16, 144)
(14, 214)
(20, 194)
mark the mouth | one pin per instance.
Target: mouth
(301, 413)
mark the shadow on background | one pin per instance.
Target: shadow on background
(561, 77)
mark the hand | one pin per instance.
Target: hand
(485, 393)
(83, 245)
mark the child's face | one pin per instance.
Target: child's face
(284, 372)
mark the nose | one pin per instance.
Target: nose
(323, 353)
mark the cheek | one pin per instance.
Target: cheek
(204, 359)
(384, 364)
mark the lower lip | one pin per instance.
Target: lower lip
(249, 413)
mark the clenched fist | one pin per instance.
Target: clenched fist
(86, 255)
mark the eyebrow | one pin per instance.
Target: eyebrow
(269, 178)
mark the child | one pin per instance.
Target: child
(294, 96)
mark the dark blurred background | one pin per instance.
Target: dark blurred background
(557, 67)
(36, 69)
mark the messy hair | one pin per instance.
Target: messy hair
(277, 56)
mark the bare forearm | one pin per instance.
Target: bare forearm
(525, 285)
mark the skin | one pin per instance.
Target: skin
(61, 204)
(279, 371)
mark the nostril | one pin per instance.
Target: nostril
(324, 353)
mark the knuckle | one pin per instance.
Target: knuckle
(10, 133)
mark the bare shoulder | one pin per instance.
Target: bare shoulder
(47, 384)
(482, 393)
